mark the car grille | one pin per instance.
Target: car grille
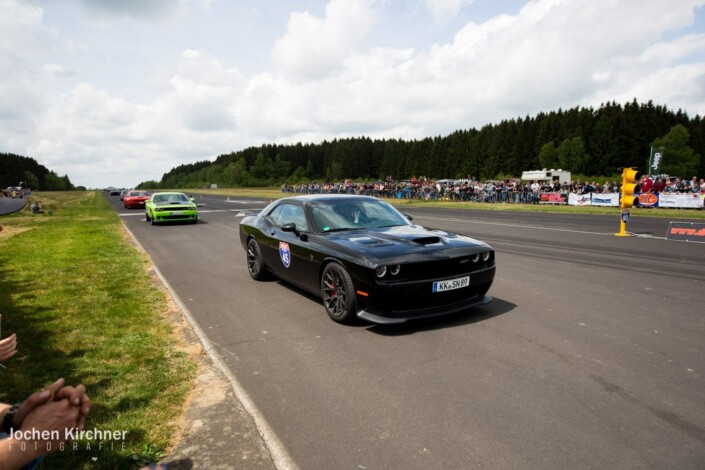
(173, 208)
(411, 292)
(442, 269)
(414, 298)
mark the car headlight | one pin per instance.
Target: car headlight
(476, 258)
(394, 270)
(486, 256)
(381, 271)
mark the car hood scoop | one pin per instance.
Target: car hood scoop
(404, 244)
(407, 236)
(427, 240)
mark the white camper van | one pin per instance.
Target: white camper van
(547, 175)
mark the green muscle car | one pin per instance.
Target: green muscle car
(170, 207)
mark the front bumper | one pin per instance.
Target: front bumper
(414, 300)
(380, 319)
(174, 216)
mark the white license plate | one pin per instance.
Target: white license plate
(451, 284)
(177, 213)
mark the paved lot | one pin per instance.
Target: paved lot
(590, 356)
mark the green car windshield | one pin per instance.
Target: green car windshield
(334, 216)
(170, 199)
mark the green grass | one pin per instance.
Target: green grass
(275, 193)
(84, 307)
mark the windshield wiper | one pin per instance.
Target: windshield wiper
(341, 229)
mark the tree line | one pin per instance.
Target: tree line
(16, 170)
(583, 140)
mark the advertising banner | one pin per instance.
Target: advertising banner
(579, 199)
(648, 200)
(553, 198)
(686, 231)
(605, 199)
(683, 201)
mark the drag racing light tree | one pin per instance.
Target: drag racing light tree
(630, 186)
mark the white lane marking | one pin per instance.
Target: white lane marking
(247, 202)
(499, 224)
(241, 212)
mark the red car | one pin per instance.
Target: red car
(135, 199)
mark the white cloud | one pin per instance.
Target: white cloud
(443, 10)
(22, 78)
(138, 9)
(314, 47)
(327, 79)
(204, 92)
(191, 120)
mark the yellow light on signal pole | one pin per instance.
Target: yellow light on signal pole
(630, 186)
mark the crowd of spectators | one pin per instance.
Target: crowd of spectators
(673, 185)
(14, 192)
(470, 189)
(509, 190)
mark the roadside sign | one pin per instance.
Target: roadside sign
(686, 231)
(625, 215)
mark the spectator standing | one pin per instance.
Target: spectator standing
(535, 188)
(679, 186)
(647, 184)
(660, 185)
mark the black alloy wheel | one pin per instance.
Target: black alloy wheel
(338, 294)
(255, 264)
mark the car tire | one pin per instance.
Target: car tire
(338, 294)
(255, 263)
(146, 216)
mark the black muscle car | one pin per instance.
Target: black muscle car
(365, 259)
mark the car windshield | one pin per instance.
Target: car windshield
(340, 215)
(138, 194)
(170, 198)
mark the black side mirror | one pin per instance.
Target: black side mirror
(408, 216)
(290, 227)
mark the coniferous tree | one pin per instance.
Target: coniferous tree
(678, 157)
(593, 141)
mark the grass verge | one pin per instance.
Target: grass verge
(85, 307)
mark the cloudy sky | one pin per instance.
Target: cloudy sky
(115, 92)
